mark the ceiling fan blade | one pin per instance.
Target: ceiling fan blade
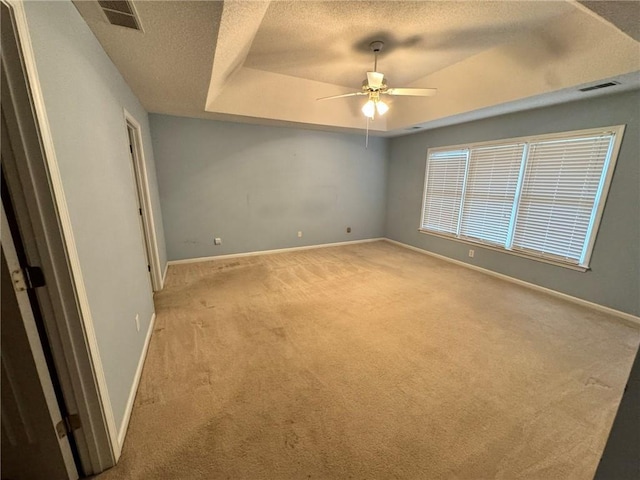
(412, 92)
(353, 94)
(374, 79)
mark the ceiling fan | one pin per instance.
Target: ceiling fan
(375, 85)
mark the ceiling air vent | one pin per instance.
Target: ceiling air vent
(596, 87)
(121, 13)
(415, 127)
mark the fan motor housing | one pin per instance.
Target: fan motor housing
(367, 88)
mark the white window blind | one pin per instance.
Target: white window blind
(541, 197)
(559, 192)
(444, 186)
(490, 191)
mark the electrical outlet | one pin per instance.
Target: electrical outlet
(471, 253)
(299, 233)
(217, 241)
(138, 321)
(348, 229)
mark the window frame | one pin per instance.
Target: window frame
(599, 199)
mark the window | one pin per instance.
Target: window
(540, 197)
(445, 183)
(491, 189)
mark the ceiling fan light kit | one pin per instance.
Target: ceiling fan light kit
(373, 105)
(369, 109)
(381, 107)
(376, 84)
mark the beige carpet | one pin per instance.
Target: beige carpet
(370, 361)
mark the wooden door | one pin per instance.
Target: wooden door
(32, 447)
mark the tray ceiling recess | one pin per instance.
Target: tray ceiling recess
(267, 62)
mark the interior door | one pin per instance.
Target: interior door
(31, 445)
(143, 230)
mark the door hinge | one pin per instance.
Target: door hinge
(28, 277)
(67, 425)
(34, 277)
(131, 148)
(19, 283)
(140, 211)
(149, 268)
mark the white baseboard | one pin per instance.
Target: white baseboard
(164, 275)
(630, 319)
(136, 381)
(269, 252)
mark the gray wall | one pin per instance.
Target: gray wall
(614, 279)
(84, 96)
(256, 187)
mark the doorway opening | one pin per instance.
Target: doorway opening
(37, 439)
(145, 216)
(74, 400)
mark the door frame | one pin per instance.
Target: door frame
(142, 191)
(40, 205)
(27, 316)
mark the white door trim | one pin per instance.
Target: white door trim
(74, 343)
(142, 185)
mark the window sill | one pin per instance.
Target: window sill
(577, 268)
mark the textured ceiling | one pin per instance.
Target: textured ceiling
(304, 39)
(624, 15)
(168, 66)
(267, 62)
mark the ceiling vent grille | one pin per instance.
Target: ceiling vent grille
(121, 13)
(596, 87)
(415, 127)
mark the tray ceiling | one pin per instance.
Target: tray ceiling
(267, 62)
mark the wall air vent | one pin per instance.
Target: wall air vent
(121, 13)
(597, 87)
